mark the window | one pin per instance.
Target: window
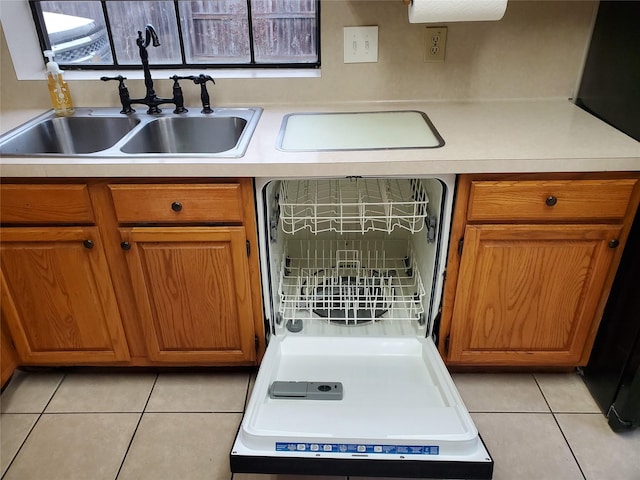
(222, 33)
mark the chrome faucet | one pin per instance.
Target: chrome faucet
(150, 99)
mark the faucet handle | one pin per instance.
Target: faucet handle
(202, 79)
(178, 98)
(175, 78)
(119, 78)
(123, 92)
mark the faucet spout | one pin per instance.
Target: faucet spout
(151, 35)
(143, 43)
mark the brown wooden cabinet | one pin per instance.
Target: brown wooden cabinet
(191, 254)
(131, 273)
(192, 286)
(57, 297)
(530, 267)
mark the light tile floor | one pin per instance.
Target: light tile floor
(70, 425)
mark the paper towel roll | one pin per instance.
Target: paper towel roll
(445, 11)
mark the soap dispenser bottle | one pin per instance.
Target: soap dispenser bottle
(58, 87)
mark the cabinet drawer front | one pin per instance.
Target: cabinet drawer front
(178, 203)
(45, 204)
(561, 200)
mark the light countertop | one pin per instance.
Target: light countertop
(483, 136)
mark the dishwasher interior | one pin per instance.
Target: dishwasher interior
(352, 382)
(354, 256)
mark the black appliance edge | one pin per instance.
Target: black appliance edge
(613, 372)
(363, 467)
(609, 84)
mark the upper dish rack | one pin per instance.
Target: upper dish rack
(353, 205)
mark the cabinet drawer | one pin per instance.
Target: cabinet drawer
(50, 204)
(554, 200)
(198, 203)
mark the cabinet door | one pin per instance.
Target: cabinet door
(193, 292)
(527, 295)
(57, 297)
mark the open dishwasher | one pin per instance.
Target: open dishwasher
(352, 382)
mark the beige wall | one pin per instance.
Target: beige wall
(535, 51)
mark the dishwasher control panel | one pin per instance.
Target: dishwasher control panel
(306, 390)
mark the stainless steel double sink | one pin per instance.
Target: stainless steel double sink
(106, 132)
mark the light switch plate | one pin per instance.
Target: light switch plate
(360, 44)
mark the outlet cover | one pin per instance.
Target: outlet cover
(435, 44)
(360, 44)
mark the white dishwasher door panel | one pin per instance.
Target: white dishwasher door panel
(400, 414)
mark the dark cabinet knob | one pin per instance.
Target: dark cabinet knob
(125, 246)
(88, 244)
(614, 243)
(551, 200)
(176, 206)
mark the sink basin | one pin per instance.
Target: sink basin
(187, 135)
(104, 132)
(69, 135)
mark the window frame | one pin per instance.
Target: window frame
(24, 47)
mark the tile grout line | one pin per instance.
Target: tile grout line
(246, 395)
(555, 419)
(64, 375)
(186, 412)
(525, 412)
(116, 412)
(135, 430)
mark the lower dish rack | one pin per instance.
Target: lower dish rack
(350, 282)
(352, 205)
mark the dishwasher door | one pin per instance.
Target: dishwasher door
(399, 414)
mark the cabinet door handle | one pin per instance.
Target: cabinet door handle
(125, 246)
(176, 206)
(88, 244)
(551, 200)
(614, 243)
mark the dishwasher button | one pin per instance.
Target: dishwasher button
(325, 391)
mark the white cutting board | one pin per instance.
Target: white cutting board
(357, 131)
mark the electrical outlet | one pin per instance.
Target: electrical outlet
(436, 42)
(360, 44)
